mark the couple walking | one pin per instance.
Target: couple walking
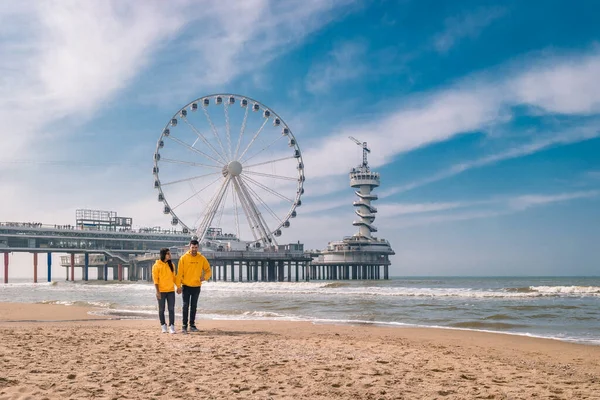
(193, 269)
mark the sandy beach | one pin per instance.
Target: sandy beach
(58, 352)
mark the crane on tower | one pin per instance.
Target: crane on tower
(366, 150)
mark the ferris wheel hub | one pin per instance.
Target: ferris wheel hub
(234, 168)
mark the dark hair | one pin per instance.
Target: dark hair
(163, 253)
(194, 242)
(163, 256)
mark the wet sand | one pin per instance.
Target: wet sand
(63, 352)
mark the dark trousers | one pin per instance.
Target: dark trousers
(190, 301)
(170, 299)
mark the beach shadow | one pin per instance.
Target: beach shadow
(221, 333)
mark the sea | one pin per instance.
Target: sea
(561, 308)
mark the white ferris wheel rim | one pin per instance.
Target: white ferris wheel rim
(231, 164)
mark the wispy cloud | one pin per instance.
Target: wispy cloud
(568, 136)
(593, 174)
(527, 201)
(394, 209)
(417, 214)
(565, 86)
(224, 51)
(467, 25)
(345, 62)
(476, 103)
(62, 59)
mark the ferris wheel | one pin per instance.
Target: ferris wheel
(227, 163)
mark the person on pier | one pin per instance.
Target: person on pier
(193, 269)
(163, 275)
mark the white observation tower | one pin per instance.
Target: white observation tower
(365, 181)
(361, 255)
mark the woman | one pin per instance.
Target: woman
(163, 274)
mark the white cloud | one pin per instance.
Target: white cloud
(345, 62)
(66, 59)
(555, 139)
(228, 42)
(569, 86)
(404, 215)
(393, 209)
(468, 25)
(527, 201)
(476, 103)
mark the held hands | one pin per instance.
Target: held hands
(178, 290)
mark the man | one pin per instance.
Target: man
(192, 270)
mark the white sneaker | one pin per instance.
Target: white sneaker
(164, 328)
(171, 329)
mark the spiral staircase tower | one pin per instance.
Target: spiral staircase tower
(361, 255)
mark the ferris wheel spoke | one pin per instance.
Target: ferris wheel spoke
(195, 150)
(250, 217)
(287, 178)
(254, 138)
(212, 209)
(196, 193)
(268, 162)
(236, 213)
(215, 132)
(204, 140)
(194, 164)
(265, 205)
(266, 188)
(222, 208)
(189, 179)
(263, 149)
(227, 128)
(243, 128)
(262, 224)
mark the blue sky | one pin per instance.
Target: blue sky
(483, 117)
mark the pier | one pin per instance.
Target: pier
(106, 243)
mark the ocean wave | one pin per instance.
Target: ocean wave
(31, 285)
(499, 317)
(527, 289)
(336, 285)
(79, 303)
(487, 325)
(533, 307)
(577, 290)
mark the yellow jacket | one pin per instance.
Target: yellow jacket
(163, 277)
(192, 270)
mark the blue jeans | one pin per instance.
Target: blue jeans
(170, 298)
(190, 301)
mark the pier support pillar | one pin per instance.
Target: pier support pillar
(72, 267)
(133, 271)
(5, 267)
(120, 272)
(86, 265)
(35, 264)
(49, 267)
(386, 272)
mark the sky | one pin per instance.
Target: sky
(482, 117)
